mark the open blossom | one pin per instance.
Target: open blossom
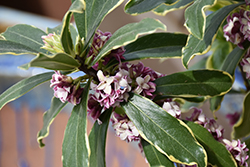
(197, 117)
(111, 90)
(237, 29)
(172, 108)
(144, 85)
(124, 128)
(232, 30)
(238, 150)
(143, 76)
(245, 24)
(64, 89)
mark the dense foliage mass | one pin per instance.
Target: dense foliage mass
(141, 104)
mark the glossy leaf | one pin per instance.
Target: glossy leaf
(194, 83)
(229, 65)
(27, 35)
(135, 7)
(75, 148)
(88, 22)
(196, 46)
(97, 140)
(157, 45)
(163, 9)
(220, 49)
(170, 135)
(154, 157)
(218, 155)
(233, 59)
(78, 6)
(48, 118)
(22, 87)
(241, 128)
(128, 34)
(215, 103)
(196, 18)
(9, 47)
(66, 39)
(59, 61)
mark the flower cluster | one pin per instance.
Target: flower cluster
(237, 29)
(65, 89)
(124, 128)
(238, 150)
(209, 123)
(112, 90)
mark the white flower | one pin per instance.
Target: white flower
(105, 82)
(142, 84)
(172, 109)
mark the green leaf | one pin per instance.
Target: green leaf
(156, 46)
(167, 134)
(154, 157)
(23, 87)
(96, 10)
(48, 118)
(128, 34)
(229, 65)
(135, 7)
(26, 35)
(75, 148)
(241, 128)
(220, 49)
(97, 140)
(196, 18)
(59, 61)
(217, 153)
(233, 59)
(196, 46)
(77, 6)
(215, 103)
(163, 9)
(194, 83)
(9, 47)
(66, 39)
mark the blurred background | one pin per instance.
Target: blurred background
(22, 119)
